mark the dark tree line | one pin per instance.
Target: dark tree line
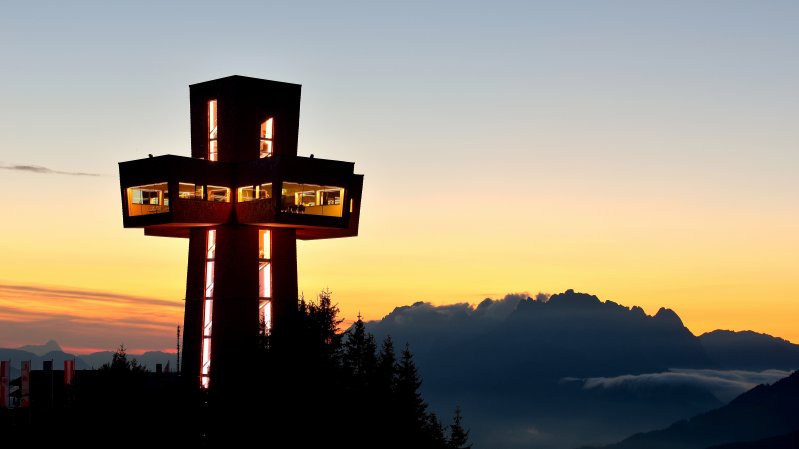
(346, 390)
(316, 387)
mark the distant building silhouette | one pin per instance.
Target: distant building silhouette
(242, 200)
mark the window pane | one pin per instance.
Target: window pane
(266, 137)
(265, 244)
(211, 244)
(209, 279)
(217, 193)
(247, 193)
(189, 191)
(265, 312)
(265, 191)
(148, 199)
(312, 199)
(264, 279)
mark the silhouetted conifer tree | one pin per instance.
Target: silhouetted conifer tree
(435, 431)
(359, 358)
(411, 408)
(385, 374)
(120, 363)
(458, 436)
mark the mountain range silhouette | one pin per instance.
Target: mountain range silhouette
(529, 371)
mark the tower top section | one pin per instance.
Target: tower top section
(243, 170)
(238, 118)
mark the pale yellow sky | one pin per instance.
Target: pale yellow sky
(643, 153)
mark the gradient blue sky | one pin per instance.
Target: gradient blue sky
(645, 152)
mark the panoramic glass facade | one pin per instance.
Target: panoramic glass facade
(311, 199)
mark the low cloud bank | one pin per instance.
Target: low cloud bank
(725, 385)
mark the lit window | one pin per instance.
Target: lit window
(252, 193)
(220, 194)
(264, 191)
(267, 133)
(246, 194)
(211, 248)
(312, 199)
(265, 245)
(188, 191)
(265, 264)
(265, 313)
(209, 279)
(205, 363)
(213, 132)
(148, 199)
(208, 306)
(265, 279)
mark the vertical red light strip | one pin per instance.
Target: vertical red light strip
(267, 134)
(208, 305)
(213, 132)
(265, 279)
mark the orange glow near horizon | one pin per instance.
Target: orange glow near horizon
(720, 269)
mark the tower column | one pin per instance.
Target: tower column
(234, 334)
(284, 279)
(193, 314)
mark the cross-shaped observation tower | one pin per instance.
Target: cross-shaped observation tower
(242, 199)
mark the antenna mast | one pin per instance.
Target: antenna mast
(177, 369)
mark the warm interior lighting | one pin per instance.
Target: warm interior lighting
(252, 193)
(265, 278)
(267, 137)
(148, 199)
(189, 191)
(213, 131)
(265, 245)
(245, 194)
(209, 278)
(265, 314)
(208, 305)
(264, 191)
(312, 199)
(211, 247)
(220, 194)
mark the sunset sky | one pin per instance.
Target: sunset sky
(644, 152)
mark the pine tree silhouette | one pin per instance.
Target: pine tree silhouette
(359, 359)
(411, 408)
(458, 436)
(435, 431)
(386, 370)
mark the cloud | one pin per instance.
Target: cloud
(724, 384)
(44, 170)
(85, 318)
(488, 309)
